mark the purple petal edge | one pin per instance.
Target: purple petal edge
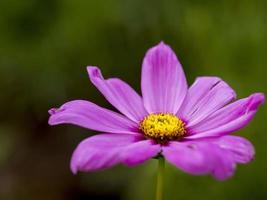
(229, 118)
(88, 115)
(106, 150)
(215, 156)
(119, 94)
(163, 81)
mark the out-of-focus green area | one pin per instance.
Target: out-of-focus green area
(45, 46)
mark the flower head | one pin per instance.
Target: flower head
(190, 127)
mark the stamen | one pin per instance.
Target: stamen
(162, 127)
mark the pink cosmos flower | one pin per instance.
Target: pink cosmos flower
(189, 127)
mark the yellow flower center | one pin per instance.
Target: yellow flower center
(162, 127)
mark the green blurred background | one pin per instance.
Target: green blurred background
(45, 46)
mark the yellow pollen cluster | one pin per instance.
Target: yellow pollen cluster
(163, 127)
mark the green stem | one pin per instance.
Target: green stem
(160, 176)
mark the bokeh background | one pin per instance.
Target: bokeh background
(45, 46)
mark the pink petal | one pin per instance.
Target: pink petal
(228, 119)
(200, 157)
(100, 151)
(240, 148)
(188, 157)
(91, 116)
(163, 83)
(139, 152)
(224, 164)
(119, 94)
(206, 95)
